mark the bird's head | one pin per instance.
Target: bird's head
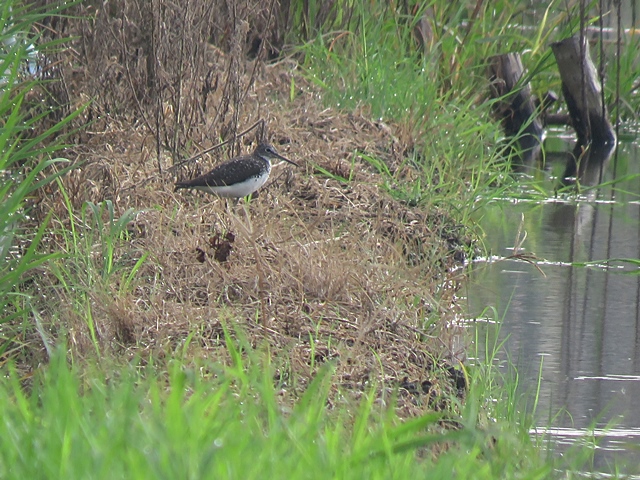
(267, 152)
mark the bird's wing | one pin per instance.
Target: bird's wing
(228, 173)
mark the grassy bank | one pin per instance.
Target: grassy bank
(209, 420)
(311, 331)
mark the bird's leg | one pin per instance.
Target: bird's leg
(241, 201)
(229, 209)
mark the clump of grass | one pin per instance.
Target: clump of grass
(26, 163)
(434, 94)
(205, 419)
(425, 70)
(91, 266)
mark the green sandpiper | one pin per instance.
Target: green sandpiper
(239, 176)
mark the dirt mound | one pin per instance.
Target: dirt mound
(315, 268)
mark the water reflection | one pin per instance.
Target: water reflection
(579, 324)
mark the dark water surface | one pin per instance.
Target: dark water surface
(578, 325)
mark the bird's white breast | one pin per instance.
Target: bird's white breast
(237, 190)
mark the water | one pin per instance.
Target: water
(577, 325)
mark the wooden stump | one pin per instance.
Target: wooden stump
(515, 106)
(583, 93)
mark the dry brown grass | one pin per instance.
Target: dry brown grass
(314, 269)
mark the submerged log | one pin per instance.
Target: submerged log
(515, 106)
(583, 93)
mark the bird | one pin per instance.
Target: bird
(239, 176)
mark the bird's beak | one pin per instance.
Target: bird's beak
(286, 160)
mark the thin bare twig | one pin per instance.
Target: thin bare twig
(215, 147)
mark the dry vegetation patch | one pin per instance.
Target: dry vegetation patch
(312, 269)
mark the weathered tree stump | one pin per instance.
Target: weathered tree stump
(583, 93)
(515, 106)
